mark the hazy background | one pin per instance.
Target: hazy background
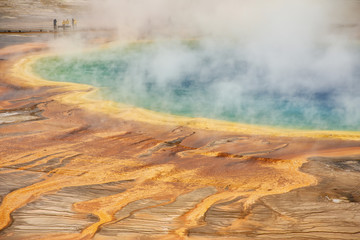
(227, 17)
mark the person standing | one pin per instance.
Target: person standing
(55, 24)
(73, 23)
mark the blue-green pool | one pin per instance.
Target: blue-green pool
(310, 90)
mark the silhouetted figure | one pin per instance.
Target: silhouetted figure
(55, 24)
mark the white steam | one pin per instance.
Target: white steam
(294, 48)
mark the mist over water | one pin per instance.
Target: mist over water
(282, 63)
(191, 78)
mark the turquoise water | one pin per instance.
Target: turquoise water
(221, 81)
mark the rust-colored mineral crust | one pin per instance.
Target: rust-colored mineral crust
(72, 167)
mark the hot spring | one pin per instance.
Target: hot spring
(315, 88)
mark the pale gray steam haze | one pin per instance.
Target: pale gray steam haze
(283, 18)
(289, 49)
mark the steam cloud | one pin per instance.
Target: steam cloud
(293, 50)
